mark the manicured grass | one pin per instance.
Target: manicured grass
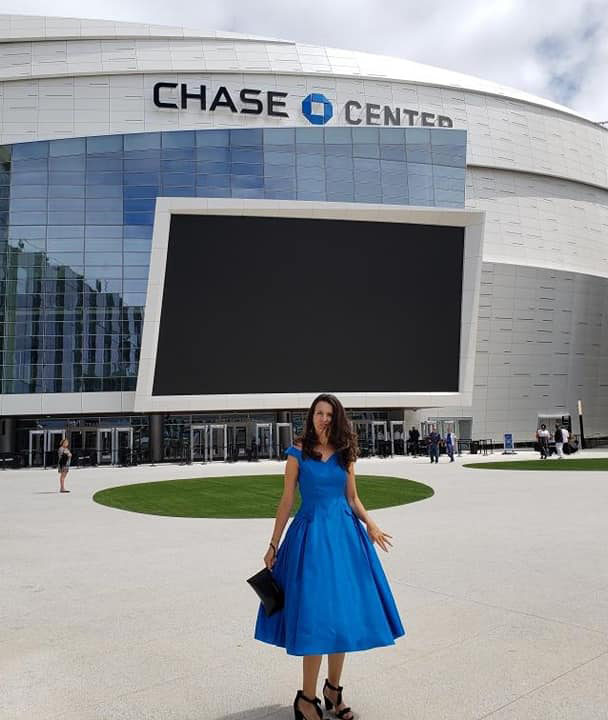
(250, 496)
(546, 465)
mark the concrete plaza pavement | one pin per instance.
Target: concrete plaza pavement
(501, 580)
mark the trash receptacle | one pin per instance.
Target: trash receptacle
(474, 447)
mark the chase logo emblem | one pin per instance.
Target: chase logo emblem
(317, 109)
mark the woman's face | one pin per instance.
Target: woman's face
(322, 418)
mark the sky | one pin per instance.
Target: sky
(556, 49)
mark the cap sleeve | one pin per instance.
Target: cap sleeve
(292, 450)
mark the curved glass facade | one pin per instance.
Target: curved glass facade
(76, 219)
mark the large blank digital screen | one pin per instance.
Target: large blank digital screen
(297, 305)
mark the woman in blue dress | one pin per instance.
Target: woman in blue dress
(337, 598)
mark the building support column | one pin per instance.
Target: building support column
(8, 434)
(156, 438)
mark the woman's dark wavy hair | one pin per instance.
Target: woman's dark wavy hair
(341, 435)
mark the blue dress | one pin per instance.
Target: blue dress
(337, 598)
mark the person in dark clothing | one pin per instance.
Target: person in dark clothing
(414, 437)
(434, 440)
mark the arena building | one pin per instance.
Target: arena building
(199, 231)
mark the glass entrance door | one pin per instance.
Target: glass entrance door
(105, 446)
(263, 436)
(53, 440)
(123, 446)
(199, 443)
(237, 441)
(284, 432)
(397, 437)
(36, 448)
(217, 440)
(363, 428)
(380, 441)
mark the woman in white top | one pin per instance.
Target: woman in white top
(63, 463)
(542, 438)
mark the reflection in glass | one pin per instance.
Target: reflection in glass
(76, 221)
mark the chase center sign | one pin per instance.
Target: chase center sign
(315, 107)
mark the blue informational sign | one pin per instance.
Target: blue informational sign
(508, 442)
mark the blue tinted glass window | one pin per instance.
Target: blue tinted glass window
(105, 143)
(103, 245)
(212, 138)
(94, 273)
(212, 154)
(337, 136)
(214, 181)
(136, 258)
(306, 136)
(246, 137)
(178, 139)
(71, 146)
(137, 245)
(95, 191)
(137, 232)
(279, 136)
(365, 135)
(141, 191)
(64, 245)
(136, 271)
(392, 136)
(139, 204)
(30, 150)
(38, 165)
(68, 163)
(142, 141)
(142, 165)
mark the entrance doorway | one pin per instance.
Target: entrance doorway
(199, 443)
(397, 437)
(43, 446)
(364, 431)
(114, 446)
(284, 432)
(380, 441)
(237, 442)
(218, 447)
(263, 439)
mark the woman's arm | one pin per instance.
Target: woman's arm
(284, 508)
(376, 535)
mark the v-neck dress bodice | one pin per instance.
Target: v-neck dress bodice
(337, 597)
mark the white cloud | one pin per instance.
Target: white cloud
(553, 48)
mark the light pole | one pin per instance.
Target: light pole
(580, 422)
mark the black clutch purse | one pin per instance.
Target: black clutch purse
(268, 590)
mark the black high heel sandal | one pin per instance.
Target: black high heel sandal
(329, 704)
(298, 713)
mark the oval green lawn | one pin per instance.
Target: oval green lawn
(250, 496)
(546, 465)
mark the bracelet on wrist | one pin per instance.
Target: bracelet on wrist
(273, 547)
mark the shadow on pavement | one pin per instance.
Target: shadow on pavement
(270, 712)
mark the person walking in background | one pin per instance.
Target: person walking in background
(450, 442)
(542, 438)
(337, 597)
(64, 457)
(559, 441)
(434, 440)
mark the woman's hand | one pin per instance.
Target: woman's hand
(378, 536)
(269, 558)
